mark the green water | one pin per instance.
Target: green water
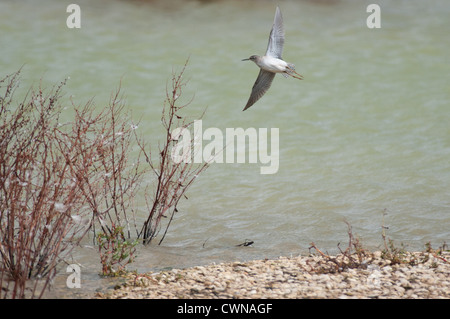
(367, 130)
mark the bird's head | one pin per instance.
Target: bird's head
(252, 58)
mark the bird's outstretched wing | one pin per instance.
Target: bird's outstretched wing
(276, 38)
(262, 84)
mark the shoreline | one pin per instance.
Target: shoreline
(419, 275)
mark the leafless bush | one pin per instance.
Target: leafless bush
(354, 256)
(173, 177)
(56, 180)
(40, 198)
(104, 143)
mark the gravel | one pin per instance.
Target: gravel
(418, 275)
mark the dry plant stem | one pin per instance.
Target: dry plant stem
(60, 180)
(173, 179)
(57, 180)
(313, 245)
(113, 181)
(104, 140)
(37, 194)
(346, 259)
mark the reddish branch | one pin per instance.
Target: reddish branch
(173, 179)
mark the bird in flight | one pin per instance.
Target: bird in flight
(271, 63)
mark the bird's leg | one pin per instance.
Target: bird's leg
(298, 76)
(291, 72)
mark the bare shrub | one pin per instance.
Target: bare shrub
(56, 181)
(104, 143)
(173, 178)
(60, 180)
(41, 205)
(354, 256)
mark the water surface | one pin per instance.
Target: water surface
(367, 131)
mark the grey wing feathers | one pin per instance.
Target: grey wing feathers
(262, 84)
(276, 38)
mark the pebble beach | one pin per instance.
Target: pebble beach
(419, 275)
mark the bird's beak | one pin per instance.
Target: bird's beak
(245, 59)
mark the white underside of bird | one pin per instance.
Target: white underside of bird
(272, 64)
